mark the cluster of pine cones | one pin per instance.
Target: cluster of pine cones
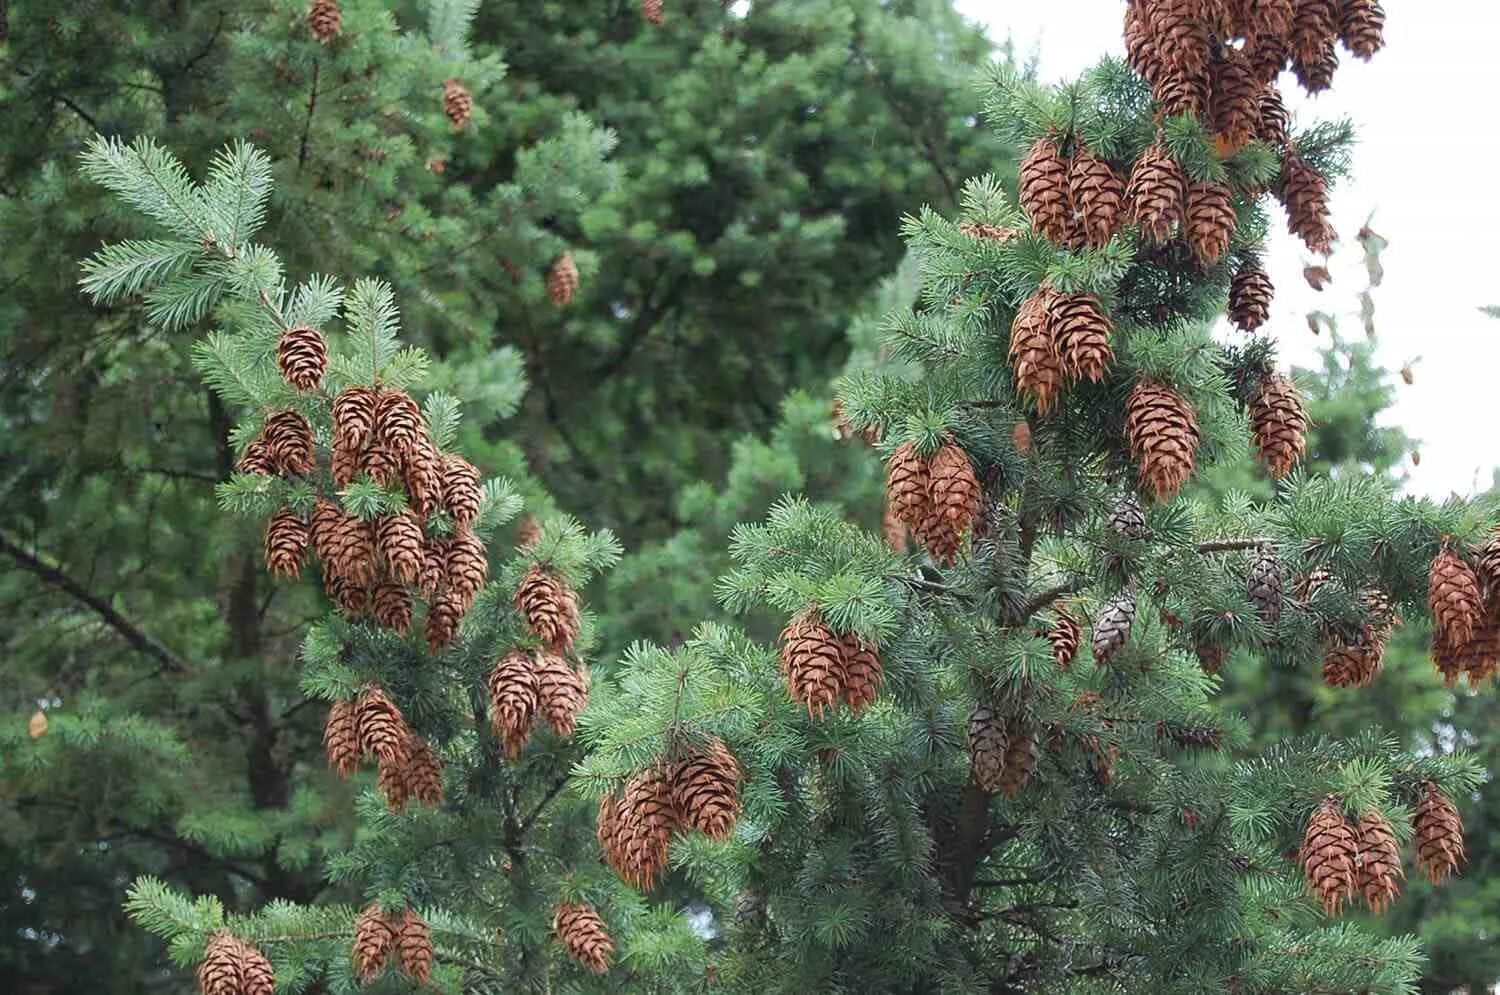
(231, 966)
(1344, 861)
(1353, 657)
(525, 686)
(700, 791)
(1002, 751)
(378, 935)
(1057, 338)
(581, 931)
(373, 726)
(821, 667)
(1465, 605)
(937, 498)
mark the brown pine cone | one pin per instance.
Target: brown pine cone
(445, 616)
(955, 488)
(1210, 657)
(434, 567)
(609, 830)
(647, 821)
(863, 672)
(302, 356)
(562, 280)
(1141, 51)
(549, 606)
(985, 232)
(1279, 425)
(1351, 663)
(578, 927)
(391, 606)
(652, 14)
(1268, 55)
(1182, 34)
(1315, 25)
(1044, 191)
(222, 969)
(1329, 854)
(462, 494)
(1362, 27)
(289, 442)
(1447, 659)
(424, 772)
(1064, 635)
(374, 938)
(1250, 295)
(1380, 871)
(399, 539)
(354, 417)
(382, 729)
(1037, 367)
(287, 536)
(938, 536)
(1097, 197)
(257, 974)
(514, 694)
(345, 465)
(893, 529)
(1453, 595)
(324, 20)
(1112, 628)
(562, 692)
(706, 790)
(1304, 194)
(1020, 757)
(398, 423)
(1162, 430)
(458, 103)
(1081, 331)
(987, 749)
(468, 566)
(341, 740)
(1178, 92)
(327, 528)
(812, 662)
(528, 533)
(351, 599)
(1275, 17)
(1156, 196)
(1487, 562)
(353, 553)
(1317, 76)
(1275, 125)
(414, 942)
(381, 464)
(391, 780)
(256, 459)
(424, 477)
(1439, 834)
(1210, 221)
(1236, 99)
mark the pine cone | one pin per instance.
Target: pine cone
(1020, 757)
(648, 819)
(652, 15)
(1128, 520)
(222, 969)
(354, 417)
(462, 494)
(549, 606)
(445, 615)
(1064, 635)
(1044, 191)
(528, 533)
(941, 540)
(1279, 424)
(468, 566)
(1177, 92)
(578, 927)
(1317, 76)
(391, 781)
(398, 423)
(1438, 834)
(1304, 194)
(1236, 99)
(1488, 563)
(391, 606)
(1264, 583)
(1097, 197)
(985, 232)
(374, 938)
(1141, 51)
(893, 529)
(1250, 294)
(706, 790)
(1453, 595)
(1275, 123)
(289, 443)
(324, 20)
(812, 663)
(414, 941)
(1210, 221)
(341, 740)
(256, 459)
(514, 695)
(423, 470)
(562, 692)
(352, 599)
(863, 672)
(458, 103)
(1181, 34)
(1210, 657)
(434, 567)
(906, 485)
(424, 772)
(287, 536)
(1162, 429)
(1448, 659)
(302, 356)
(609, 830)
(562, 280)
(258, 976)
(345, 465)
(1275, 17)
(351, 555)
(1329, 855)
(987, 749)
(382, 730)
(1035, 363)
(955, 489)
(1380, 871)
(399, 539)
(1112, 628)
(1268, 55)
(1315, 25)
(1081, 331)
(1362, 27)
(1156, 196)
(1351, 663)
(381, 464)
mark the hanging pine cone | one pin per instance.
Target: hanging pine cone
(1181, 34)
(578, 927)
(906, 485)
(1177, 92)
(1263, 583)
(955, 488)
(354, 417)
(1127, 519)
(1275, 17)
(1453, 595)
(986, 232)
(1488, 563)
(1020, 757)
(1438, 834)
(286, 542)
(1034, 359)
(424, 772)
(256, 459)
(341, 740)
(1268, 56)
(1315, 25)
(1112, 628)
(1329, 854)
(257, 974)
(987, 749)
(1380, 871)
(941, 540)
(380, 464)
(374, 939)
(549, 606)
(1081, 331)
(651, 12)
(423, 471)
(562, 692)
(399, 540)
(514, 693)
(706, 790)
(1317, 76)
(327, 521)
(391, 781)
(1097, 197)
(222, 969)
(468, 566)
(648, 820)
(1362, 27)
(1304, 194)
(414, 943)
(324, 20)
(391, 606)
(289, 443)
(1156, 196)
(458, 103)
(863, 672)
(382, 730)
(1210, 657)
(562, 280)
(445, 616)
(1235, 100)
(1064, 635)
(1250, 294)
(462, 494)
(1275, 124)
(893, 529)
(1162, 429)
(1210, 221)
(609, 830)
(434, 567)
(1044, 191)
(812, 663)
(344, 466)
(352, 599)
(1141, 50)
(1448, 659)
(1350, 663)
(1279, 423)
(352, 555)
(398, 422)
(302, 356)
(1480, 656)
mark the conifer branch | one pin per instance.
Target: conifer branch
(1232, 545)
(1047, 597)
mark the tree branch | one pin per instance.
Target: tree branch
(1232, 545)
(1045, 598)
(129, 630)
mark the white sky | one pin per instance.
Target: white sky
(1423, 166)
